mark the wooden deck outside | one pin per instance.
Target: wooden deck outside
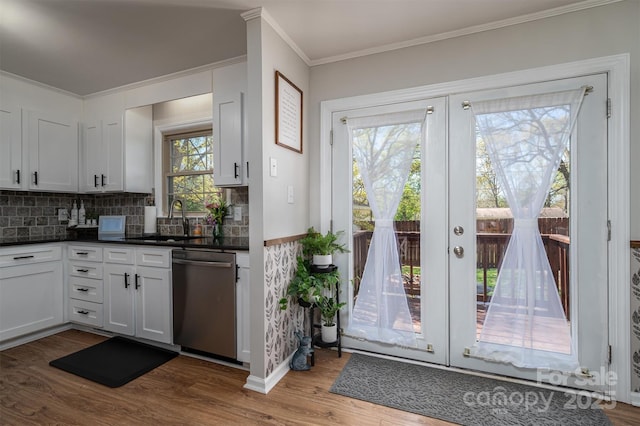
(490, 249)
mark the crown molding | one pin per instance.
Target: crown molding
(587, 4)
(39, 84)
(261, 12)
(166, 77)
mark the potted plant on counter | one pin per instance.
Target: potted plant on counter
(320, 248)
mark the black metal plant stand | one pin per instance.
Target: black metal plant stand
(314, 327)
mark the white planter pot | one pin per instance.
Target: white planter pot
(329, 333)
(322, 260)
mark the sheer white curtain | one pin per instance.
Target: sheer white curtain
(383, 147)
(525, 137)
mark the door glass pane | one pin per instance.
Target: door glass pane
(494, 226)
(407, 231)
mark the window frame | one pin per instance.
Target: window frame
(167, 137)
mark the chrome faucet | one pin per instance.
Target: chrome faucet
(185, 221)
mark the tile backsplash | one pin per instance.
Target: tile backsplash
(33, 214)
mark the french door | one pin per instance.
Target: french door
(450, 258)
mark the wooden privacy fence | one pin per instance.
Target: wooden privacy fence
(490, 247)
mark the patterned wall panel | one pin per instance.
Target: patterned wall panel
(635, 319)
(280, 341)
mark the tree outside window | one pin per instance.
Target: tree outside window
(188, 169)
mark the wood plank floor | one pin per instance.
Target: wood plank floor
(186, 391)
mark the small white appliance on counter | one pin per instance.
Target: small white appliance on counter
(111, 227)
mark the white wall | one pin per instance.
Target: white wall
(282, 219)
(591, 33)
(270, 215)
(34, 96)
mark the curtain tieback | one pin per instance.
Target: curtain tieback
(525, 223)
(384, 223)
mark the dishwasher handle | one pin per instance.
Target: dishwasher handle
(211, 264)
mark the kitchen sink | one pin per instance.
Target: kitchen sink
(167, 238)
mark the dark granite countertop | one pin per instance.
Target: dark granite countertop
(227, 243)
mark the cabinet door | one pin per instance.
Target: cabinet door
(153, 304)
(11, 172)
(230, 166)
(91, 158)
(242, 309)
(31, 298)
(112, 155)
(53, 152)
(119, 289)
(227, 127)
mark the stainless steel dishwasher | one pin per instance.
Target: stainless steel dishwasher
(204, 301)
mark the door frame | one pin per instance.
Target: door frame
(618, 69)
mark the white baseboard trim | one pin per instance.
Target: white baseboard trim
(33, 336)
(261, 385)
(635, 399)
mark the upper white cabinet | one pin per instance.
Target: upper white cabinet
(52, 142)
(38, 150)
(101, 160)
(117, 152)
(11, 172)
(230, 159)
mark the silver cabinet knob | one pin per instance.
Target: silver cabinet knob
(458, 251)
(458, 230)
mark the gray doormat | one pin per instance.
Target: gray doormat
(461, 398)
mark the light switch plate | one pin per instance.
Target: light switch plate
(237, 213)
(290, 194)
(273, 167)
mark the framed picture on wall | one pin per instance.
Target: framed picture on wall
(288, 114)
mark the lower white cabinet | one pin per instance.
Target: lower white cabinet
(85, 285)
(137, 297)
(242, 309)
(31, 289)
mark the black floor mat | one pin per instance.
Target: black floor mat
(114, 362)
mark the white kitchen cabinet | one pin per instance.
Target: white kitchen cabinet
(117, 152)
(85, 285)
(102, 156)
(230, 159)
(11, 171)
(138, 297)
(243, 331)
(52, 143)
(31, 289)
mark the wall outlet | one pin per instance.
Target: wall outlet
(63, 215)
(237, 213)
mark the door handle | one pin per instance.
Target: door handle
(459, 252)
(126, 280)
(235, 170)
(137, 284)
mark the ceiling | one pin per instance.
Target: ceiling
(88, 46)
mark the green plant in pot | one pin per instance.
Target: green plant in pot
(320, 248)
(303, 286)
(329, 308)
(306, 287)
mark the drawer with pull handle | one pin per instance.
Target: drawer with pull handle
(88, 313)
(15, 256)
(86, 253)
(90, 290)
(86, 270)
